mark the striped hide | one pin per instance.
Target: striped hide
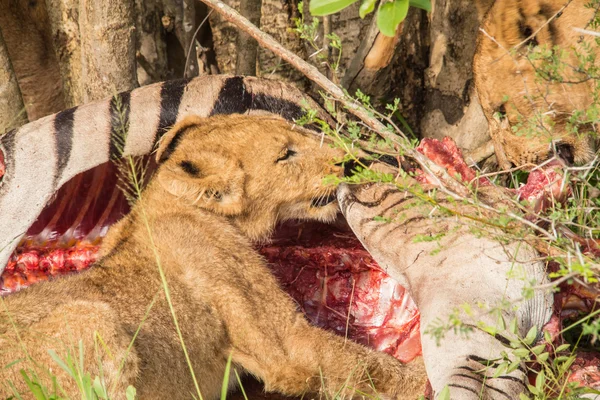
(41, 156)
(445, 264)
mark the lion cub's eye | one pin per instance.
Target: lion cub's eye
(285, 154)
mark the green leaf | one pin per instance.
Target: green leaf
(422, 4)
(521, 353)
(500, 370)
(99, 389)
(513, 326)
(34, 387)
(543, 357)
(537, 350)
(320, 8)
(533, 389)
(513, 366)
(540, 379)
(531, 335)
(562, 347)
(390, 15)
(61, 363)
(366, 7)
(130, 393)
(225, 385)
(501, 323)
(444, 394)
(13, 363)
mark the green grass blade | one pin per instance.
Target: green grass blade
(225, 385)
(16, 393)
(34, 387)
(61, 363)
(240, 383)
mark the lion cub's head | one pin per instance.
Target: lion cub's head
(256, 170)
(529, 106)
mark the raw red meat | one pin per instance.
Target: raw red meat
(341, 288)
(325, 269)
(446, 154)
(545, 187)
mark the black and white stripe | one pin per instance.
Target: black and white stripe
(235, 98)
(42, 155)
(63, 134)
(443, 274)
(171, 94)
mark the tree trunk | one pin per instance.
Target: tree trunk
(431, 74)
(24, 25)
(151, 55)
(12, 110)
(247, 48)
(451, 107)
(64, 23)
(107, 48)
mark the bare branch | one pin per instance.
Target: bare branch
(445, 180)
(188, 24)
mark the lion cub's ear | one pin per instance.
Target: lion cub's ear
(202, 177)
(170, 140)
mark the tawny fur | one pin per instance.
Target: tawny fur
(506, 80)
(219, 191)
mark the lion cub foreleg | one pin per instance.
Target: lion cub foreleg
(338, 365)
(298, 357)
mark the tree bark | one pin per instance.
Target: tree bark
(276, 19)
(24, 25)
(372, 56)
(151, 54)
(247, 48)
(182, 16)
(451, 107)
(430, 73)
(12, 109)
(64, 24)
(189, 27)
(107, 48)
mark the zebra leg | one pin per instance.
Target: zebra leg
(445, 264)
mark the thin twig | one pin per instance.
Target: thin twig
(193, 41)
(446, 182)
(587, 32)
(556, 14)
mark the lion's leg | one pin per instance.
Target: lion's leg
(311, 359)
(79, 330)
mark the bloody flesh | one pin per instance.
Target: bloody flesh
(324, 268)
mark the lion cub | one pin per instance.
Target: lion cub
(222, 184)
